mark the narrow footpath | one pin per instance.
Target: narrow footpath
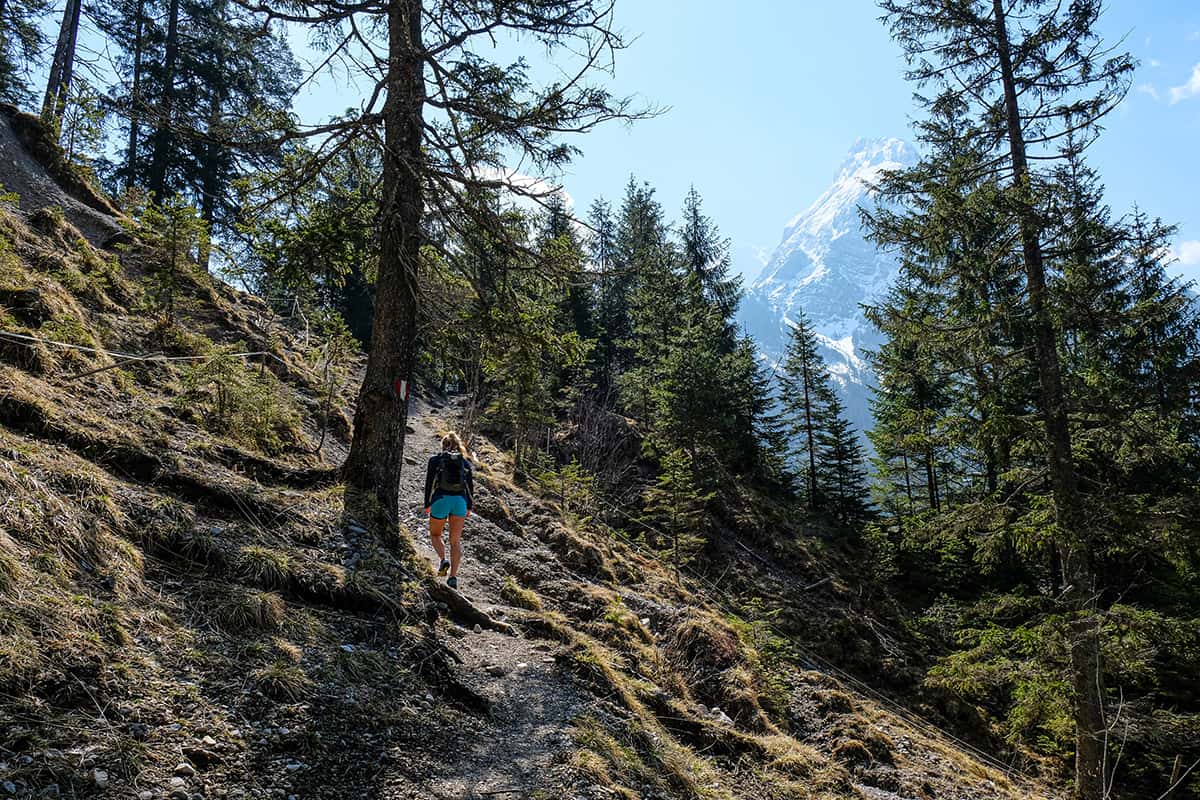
(524, 749)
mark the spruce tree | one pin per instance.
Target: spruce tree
(1031, 85)
(21, 40)
(706, 259)
(804, 391)
(448, 114)
(611, 301)
(841, 466)
(655, 297)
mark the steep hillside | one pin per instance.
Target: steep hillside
(185, 610)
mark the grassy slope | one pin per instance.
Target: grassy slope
(173, 599)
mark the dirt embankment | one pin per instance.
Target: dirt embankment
(32, 166)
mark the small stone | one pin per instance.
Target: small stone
(9, 787)
(100, 778)
(146, 795)
(521, 665)
(179, 794)
(495, 670)
(347, 648)
(178, 782)
(549, 660)
(428, 697)
(209, 741)
(478, 628)
(294, 766)
(185, 770)
(644, 620)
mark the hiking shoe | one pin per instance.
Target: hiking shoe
(444, 568)
(452, 582)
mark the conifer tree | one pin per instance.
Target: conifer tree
(562, 254)
(21, 40)
(706, 259)
(1033, 79)
(239, 77)
(611, 301)
(655, 297)
(449, 118)
(841, 467)
(804, 391)
(315, 245)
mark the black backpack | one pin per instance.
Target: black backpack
(450, 475)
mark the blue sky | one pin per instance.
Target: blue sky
(766, 97)
(765, 102)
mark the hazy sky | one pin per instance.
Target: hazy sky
(765, 97)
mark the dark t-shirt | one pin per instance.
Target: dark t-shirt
(433, 492)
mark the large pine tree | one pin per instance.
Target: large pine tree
(1023, 274)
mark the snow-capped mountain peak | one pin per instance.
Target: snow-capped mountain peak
(835, 212)
(825, 266)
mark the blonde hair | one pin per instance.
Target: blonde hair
(452, 442)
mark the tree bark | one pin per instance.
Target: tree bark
(813, 501)
(135, 99)
(1085, 649)
(162, 134)
(58, 86)
(377, 452)
(209, 182)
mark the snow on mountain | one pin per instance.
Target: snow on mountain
(825, 266)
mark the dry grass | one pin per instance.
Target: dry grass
(516, 595)
(283, 680)
(264, 567)
(243, 611)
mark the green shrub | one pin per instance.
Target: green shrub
(234, 399)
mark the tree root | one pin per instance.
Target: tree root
(462, 609)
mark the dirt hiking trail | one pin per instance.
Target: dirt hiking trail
(533, 700)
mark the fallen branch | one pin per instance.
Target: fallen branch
(463, 609)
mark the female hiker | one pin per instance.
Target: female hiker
(448, 490)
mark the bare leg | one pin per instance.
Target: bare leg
(456, 529)
(435, 537)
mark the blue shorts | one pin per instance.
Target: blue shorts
(449, 505)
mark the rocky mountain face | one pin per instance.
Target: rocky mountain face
(825, 267)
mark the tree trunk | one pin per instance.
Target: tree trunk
(1085, 648)
(162, 134)
(931, 487)
(907, 482)
(58, 86)
(377, 451)
(209, 182)
(135, 99)
(812, 455)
